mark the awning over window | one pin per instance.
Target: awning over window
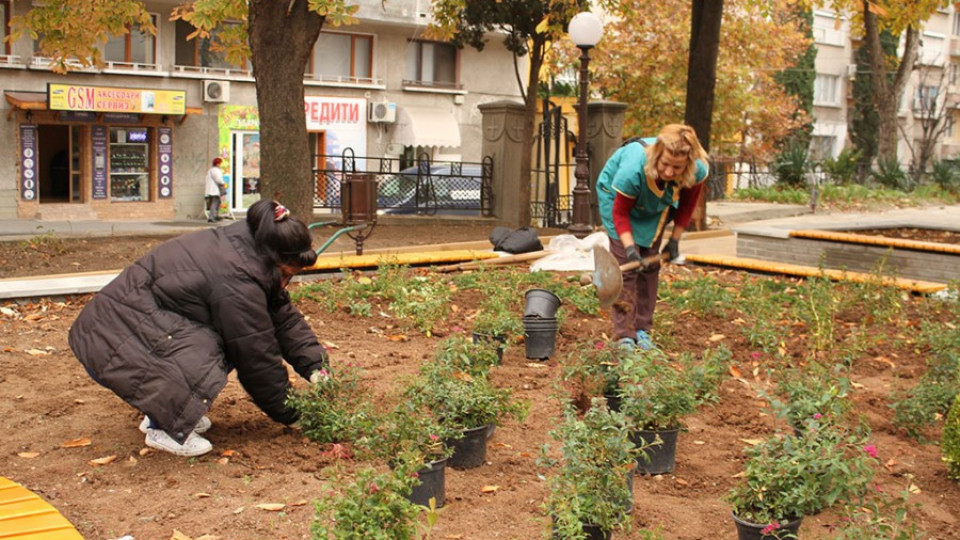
(417, 126)
(37, 101)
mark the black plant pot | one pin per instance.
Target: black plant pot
(540, 337)
(660, 458)
(470, 451)
(540, 304)
(754, 531)
(593, 532)
(432, 484)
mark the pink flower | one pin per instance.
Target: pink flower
(770, 528)
(817, 416)
(755, 355)
(598, 345)
(871, 450)
(434, 437)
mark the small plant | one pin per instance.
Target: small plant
(791, 165)
(411, 432)
(815, 393)
(951, 440)
(702, 295)
(461, 400)
(655, 394)
(589, 370)
(931, 398)
(842, 169)
(497, 319)
(334, 407)
(787, 477)
(890, 175)
(591, 487)
(373, 506)
(946, 174)
(463, 354)
(879, 517)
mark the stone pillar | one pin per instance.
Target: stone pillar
(604, 135)
(502, 127)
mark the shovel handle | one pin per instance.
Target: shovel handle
(509, 259)
(645, 262)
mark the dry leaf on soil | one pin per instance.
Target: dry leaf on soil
(489, 489)
(76, 443)
(271, 507)
(102, 461)
(28, 455)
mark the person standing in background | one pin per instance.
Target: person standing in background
(213, 192)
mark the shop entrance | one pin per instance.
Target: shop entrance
(58, 158)
(245, 169)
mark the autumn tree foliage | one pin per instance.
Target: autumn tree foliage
(642, 61)
(278, 37)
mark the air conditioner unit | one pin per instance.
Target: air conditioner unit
(383, 111)
(851, 70)
(216, 91)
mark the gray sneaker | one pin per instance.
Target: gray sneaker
(202, 426)
(626, 344)
(195, 445)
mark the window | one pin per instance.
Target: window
(342, 57)
(135, 47)
(826, 30)
(4, 21)
(129, 164)
(931, 50)
(952, 73)
(821, 147)
(825, 89)
(956, 23)
(197, 52)
(431, 64)
(926, 99)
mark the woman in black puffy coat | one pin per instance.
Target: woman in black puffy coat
(166, 332)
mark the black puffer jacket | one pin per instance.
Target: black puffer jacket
(165, 332)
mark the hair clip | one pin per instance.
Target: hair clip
(280, 213)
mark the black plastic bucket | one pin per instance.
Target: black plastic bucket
(432, 484)
(470, 451)
(541, 304)
(660, 458)
(540, 337)
(499, 341)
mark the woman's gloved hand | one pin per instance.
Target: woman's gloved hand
(672, 249)
(633, 255)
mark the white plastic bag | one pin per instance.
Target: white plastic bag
(571, 253)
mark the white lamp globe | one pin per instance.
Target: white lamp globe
(585, 29)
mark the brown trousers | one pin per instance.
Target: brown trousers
(634, 309)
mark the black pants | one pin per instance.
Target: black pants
(213, 207)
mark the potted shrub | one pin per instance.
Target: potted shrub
(589, 370)
(494, 324)
(654, 396)
(786, 478)
(334, 406)
(803, 395)
(469, 403)
(370, 504)
(411, 434)
(591, 494)
(460, 353)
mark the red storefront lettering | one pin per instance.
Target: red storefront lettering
(331, 113)
(79, 98)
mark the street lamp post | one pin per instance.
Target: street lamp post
(585, 31)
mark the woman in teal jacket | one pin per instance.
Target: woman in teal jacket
(644, 185)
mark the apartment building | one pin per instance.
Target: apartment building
(933, 89)
(133, 139)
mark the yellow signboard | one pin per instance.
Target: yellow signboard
(72, 97)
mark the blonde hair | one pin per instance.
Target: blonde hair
(679, 140)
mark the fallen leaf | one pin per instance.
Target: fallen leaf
(36, 352)
(238, 510)
(102, 461)
(271, 507)
(885, 360)
(752, 442)
(489, 489)
(682, 482)
(717, 337)
(364, 280)
(915, 489)
(734, 372)
(28, 455)
(501, 445)
(144, 451)
(177, 535)
(201, 495)
(536, 365)
(208, 537)
(223, 461)
(857, 385)
(79, 401)
(228, 453)
(738, 475)
(8, 312)
(76, 443)
(397, 337)
(330, 345)
(699, 442)
(302, 502)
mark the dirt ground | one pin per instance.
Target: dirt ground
(46, 400)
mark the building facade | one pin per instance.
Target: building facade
(133, 139)
(933, 91)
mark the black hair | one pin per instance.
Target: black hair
(281, 238)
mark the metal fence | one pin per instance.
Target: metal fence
(420, 187)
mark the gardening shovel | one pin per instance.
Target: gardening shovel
(607, 274)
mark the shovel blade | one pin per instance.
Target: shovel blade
(607, 277)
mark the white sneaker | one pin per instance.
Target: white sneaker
(203, 425)
(195, 445)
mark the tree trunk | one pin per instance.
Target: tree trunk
(282, 35)
(702, 79)
(887, 92)
(526, 148)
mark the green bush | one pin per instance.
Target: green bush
(791, 166)
(950, 446)
(890, 175)
(843, 168)
(946, 174)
